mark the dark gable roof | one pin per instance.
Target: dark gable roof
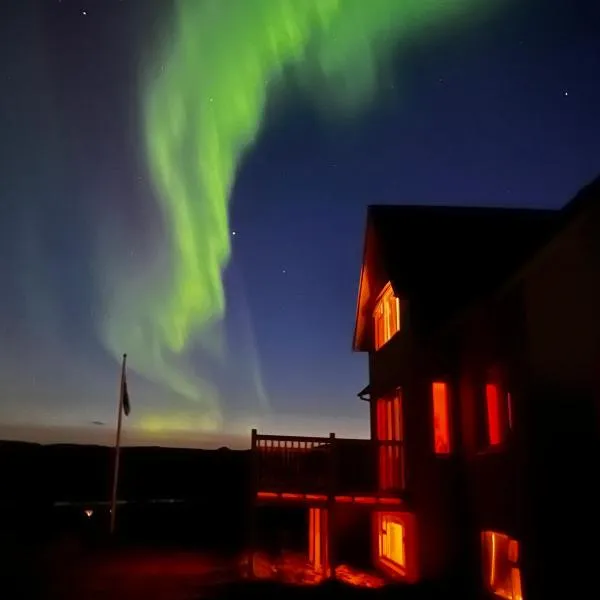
(442, 258)
(584, 199)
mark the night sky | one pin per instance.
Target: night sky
(498, 110)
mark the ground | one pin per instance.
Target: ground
(294, 568)
(69, 571)
(134, 574)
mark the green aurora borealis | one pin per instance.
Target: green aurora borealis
(203, 108)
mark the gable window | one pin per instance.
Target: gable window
(498, 405)
(441, 417)
(501, 570)
(386, 316)
(389, 432)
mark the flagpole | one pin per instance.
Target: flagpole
(113, 501)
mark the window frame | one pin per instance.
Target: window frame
(448, 417)
(495, 374)
(504, 415)
(407, 572)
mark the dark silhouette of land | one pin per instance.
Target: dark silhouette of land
(170, 495)
(83, 473)
(177, 502)
(181, 526)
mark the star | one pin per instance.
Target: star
(233, 232)
(84, 12)
(284, 271)
(565, 93)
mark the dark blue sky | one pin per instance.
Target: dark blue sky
(505, 113)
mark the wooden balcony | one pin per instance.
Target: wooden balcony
(327, 466)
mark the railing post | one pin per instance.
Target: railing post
(252, 503)
(331, 505)
(254, 466)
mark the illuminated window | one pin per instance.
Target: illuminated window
(386, 316)
(389, 429)
(498, 414)
(441, 418)
(501, 571)
(392, 543)
(396, 545)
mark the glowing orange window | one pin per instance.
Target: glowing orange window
(386, 316)
(392, 545)
(441, 417)
(396, 549)
(389, 431)
(498, 414)
(501, 571)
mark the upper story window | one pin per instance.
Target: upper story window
(498, 413)
(441, 417)
(389, 417)
(389, 425)
(386, 316)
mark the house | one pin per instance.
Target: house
(482, 330)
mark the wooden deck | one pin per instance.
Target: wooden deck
(310, 469)
(378, 502)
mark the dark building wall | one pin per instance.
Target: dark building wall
(433, 489)
(562, 290)
(393, 364)
(492, 350)
(476, 487)
(352, 536)
(433, 484)
(562, 295)
(490, 470)
(540, 335)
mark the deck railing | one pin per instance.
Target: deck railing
(294, 464)
(327, 465)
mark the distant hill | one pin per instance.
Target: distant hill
(211, 487)
(66, 472)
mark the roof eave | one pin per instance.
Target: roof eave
(358, 340)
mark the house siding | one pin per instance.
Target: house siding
(540, 335)
(561, 411)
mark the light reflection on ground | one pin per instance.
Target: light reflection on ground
(137, 574)
(293, 568)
